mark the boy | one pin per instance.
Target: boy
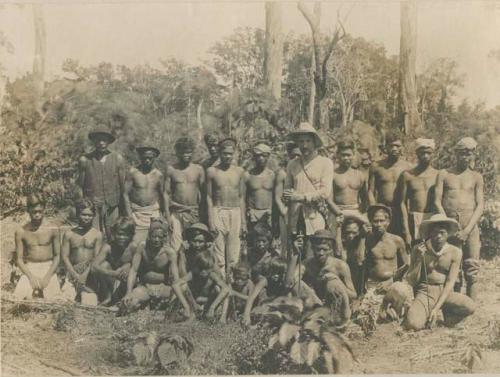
(38, 254)
(144, 195)
(151, 267)
(79, 247)
(261, 253)
(112, 263)
(241, 284)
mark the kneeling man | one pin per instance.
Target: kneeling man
(433, 272)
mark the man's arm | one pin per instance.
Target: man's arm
(163, 198)
(363, 193)
(201, 183)
(126, 192)
(402, 197)
(478, 211)
(56, 248)
(223, 293)
(97, 264)
(34, 281)
(65, 255)
(122, 173)
(371, 186)
(132, 275)
(243, 193)
(438, 199)
(82, 166)
(279, 185)
(261, 284)
(402, 252)
(345, 276)
(341, 252)
(210, 205)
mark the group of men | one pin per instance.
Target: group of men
(223, 239)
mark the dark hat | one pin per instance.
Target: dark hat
(226, 141)
(143, 149)
(323, 234)
(373, 208)
(198, 227)
(100, 133)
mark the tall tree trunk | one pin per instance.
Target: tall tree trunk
(40, 52)
(273, 58)
(198, 120)
(408, 110)
(312, 94)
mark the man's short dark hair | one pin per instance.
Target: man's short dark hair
(393, 136)
(211, 138)
(34, 200)
(184, 144)
(125, 225)
(85, 203)
(345, 144)
(261, 229)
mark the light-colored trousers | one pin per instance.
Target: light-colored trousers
(227, 222)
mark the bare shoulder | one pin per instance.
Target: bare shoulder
(106, 248)
(211, 171)
(95, 233)
(396, 239)
(478, 177)
(455, 252)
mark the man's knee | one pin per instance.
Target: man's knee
(416, 317)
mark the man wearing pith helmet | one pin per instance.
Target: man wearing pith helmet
(308, 183)
(459, 195)
(101, 177)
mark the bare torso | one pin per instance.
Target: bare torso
(82, 245)
(185, 184)
(153, 269)
(438, 267)
(116, 258)
(38, 244)
(421, 189)
(459, 191)
(346, 186)
(145, 187)
(226, 186)
(260, 189)
(386, 176)
(383, 256)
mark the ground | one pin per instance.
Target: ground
(75, 341)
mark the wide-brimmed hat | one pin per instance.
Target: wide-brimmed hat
(198, 227)
(467, 143)
(143, 149)
(426, 225)
(322, 234)
(375, 207)
(101, 132)
(306, 129)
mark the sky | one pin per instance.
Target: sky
(132, 32)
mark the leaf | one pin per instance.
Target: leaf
(273, 341)
(298, 352)
(141, 354)
(287, 331)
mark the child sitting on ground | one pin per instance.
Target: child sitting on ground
(261, 252)
(241, 284)
(79, 247)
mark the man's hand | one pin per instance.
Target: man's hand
(122, 273)
(339, 219)
(431, 322)
(45, 282)
(35, 282)
(291, 196)
(421, 248)
(298, 244)
(463, 235)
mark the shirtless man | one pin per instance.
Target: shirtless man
(144, 195)
(434, 268)
(384, 251)
(226, 206)
(101, 177)
(349, 185)
(417, 191)
(38, 254)
(365, 162)
(259, 183)
(330, 277)
(151, 267)
(112, 264)
(184, 183)
(292, 151)
(383, 179)
(79, 247)
(212, 143)
(459, 195)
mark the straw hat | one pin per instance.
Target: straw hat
(306, 129)
(426, 225)
(198, 227)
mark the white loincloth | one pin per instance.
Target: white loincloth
(24, 289)
(142, 219)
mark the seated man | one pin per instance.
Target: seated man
(433, 272)
(351, 248)
(261, 252)
(384, 251)
(151, 267)
(330, 277)
(79, 248)
(38, 254)
(112, 263)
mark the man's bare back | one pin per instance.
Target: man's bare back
(225, 185)
(145, 188)
(185, 184)
(347, 186)
(260, 189)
